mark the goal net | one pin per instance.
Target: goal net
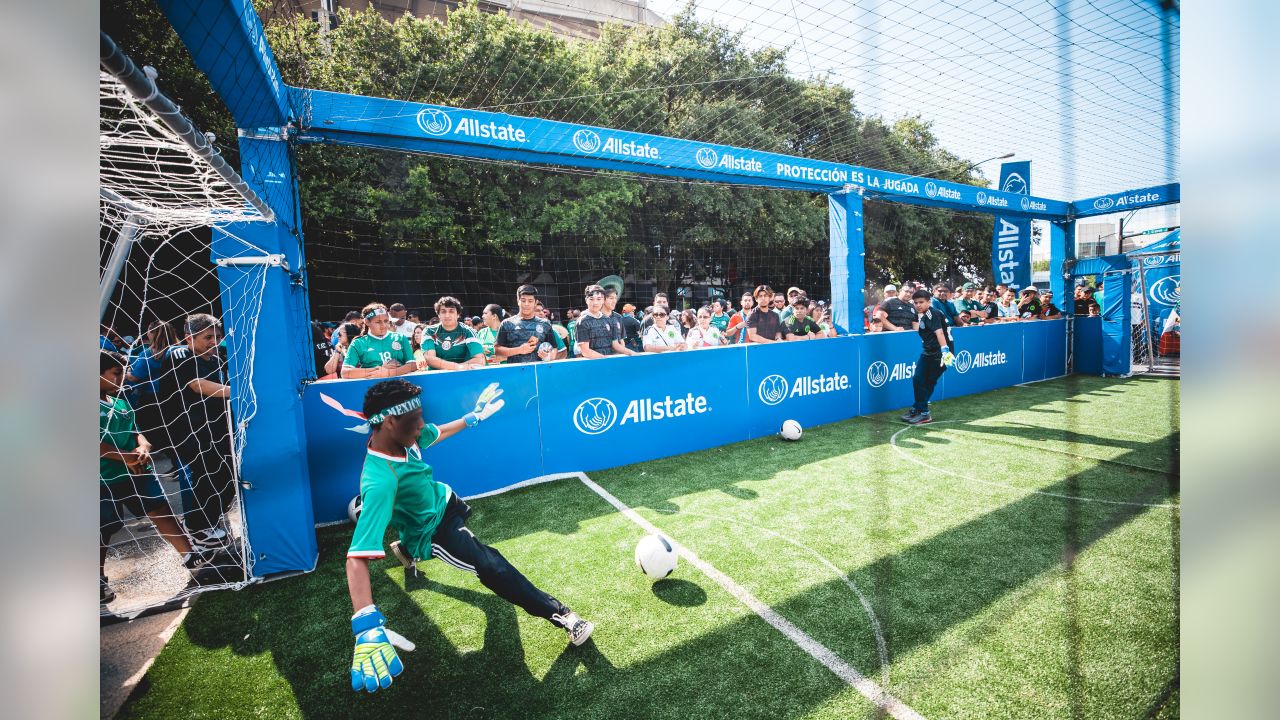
(170, 524)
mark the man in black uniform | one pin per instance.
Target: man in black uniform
(595, 331)
(527, 337)
(935, 356)
(617, 324)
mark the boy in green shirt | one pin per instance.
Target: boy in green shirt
(451, 345)
(397, 488)
(128, 484)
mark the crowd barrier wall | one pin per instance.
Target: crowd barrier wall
(596, 414)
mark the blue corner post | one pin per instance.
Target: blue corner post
(848, 259)
(261, 272)
(275, 480)
(1062, 249)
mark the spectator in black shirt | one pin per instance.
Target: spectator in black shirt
(1047, 308)
(800, 326)
(617, 324)
(1029, 305)
(935, 356)
(763, 324)
(595, 331)
(896, 312)
(527, 337)
(195, 394)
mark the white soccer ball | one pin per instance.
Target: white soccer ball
(353, 508)
(791, 430)
(655, 556)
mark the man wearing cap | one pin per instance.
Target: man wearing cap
(896, 312)
(967, 305)
(527, 337)
(1047, 308)
(1029, 306)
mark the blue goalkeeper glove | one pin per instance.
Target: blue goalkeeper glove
(947, 358)
(375, 662)
(486, 405)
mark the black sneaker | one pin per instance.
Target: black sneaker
(105, 594)
(922, 419)
(909, 415)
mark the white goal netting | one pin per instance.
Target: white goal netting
(184, 329)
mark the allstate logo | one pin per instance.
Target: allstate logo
(877, 373)
(1167, 290)
(982, 198)
(773, 390)
(1103, 203)
(1026, 203)
(706, 157)
(931, 189)
(595, 415)
(1015, 184)
(434, 122)
(964, 361)
(586, 140)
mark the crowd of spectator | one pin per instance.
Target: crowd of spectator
(385, 341)
(972, 305)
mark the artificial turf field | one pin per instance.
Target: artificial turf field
(999, 590)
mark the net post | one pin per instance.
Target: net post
(115, 265)
(848, 271)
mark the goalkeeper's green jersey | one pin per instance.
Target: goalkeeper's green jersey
(116, 429)
(367, 351)
(401, 492)
(457, 345)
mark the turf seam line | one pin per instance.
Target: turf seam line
(864, 685)
(893, 440)
(882, 649)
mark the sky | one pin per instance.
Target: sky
(1078, 87)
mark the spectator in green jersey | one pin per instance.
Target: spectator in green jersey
(491, 320)
(451, 345)
(379, 352)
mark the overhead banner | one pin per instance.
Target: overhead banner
(1011, 236)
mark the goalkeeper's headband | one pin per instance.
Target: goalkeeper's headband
(404, 408)
(375, 313)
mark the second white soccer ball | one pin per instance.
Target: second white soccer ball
(791, 430)
(655, 556)
(353, 508)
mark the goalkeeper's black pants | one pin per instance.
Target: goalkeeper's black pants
(213, 482)
(454, 545)
(928, 369)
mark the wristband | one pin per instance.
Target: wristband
(471, 420)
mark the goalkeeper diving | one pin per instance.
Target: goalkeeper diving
(397, 488)
(935, 356)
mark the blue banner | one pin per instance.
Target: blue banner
(593, 414)
(886, 364)
(1011, 236)
(1128, 200)
(503, 451)
(811, 382)
(989, 357)
(396, 124)
(605, 413)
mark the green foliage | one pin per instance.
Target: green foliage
(685, 79)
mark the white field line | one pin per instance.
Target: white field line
(882, 648)
(867, 687)
(894, 442)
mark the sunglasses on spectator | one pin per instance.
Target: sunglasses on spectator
(659, 314)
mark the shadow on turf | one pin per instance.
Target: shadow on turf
(919, 593)
(675, 591)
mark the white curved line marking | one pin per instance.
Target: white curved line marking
(881, 648)
(894, 442)
(843, 670)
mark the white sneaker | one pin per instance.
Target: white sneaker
(579, 630)
(399, 552)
